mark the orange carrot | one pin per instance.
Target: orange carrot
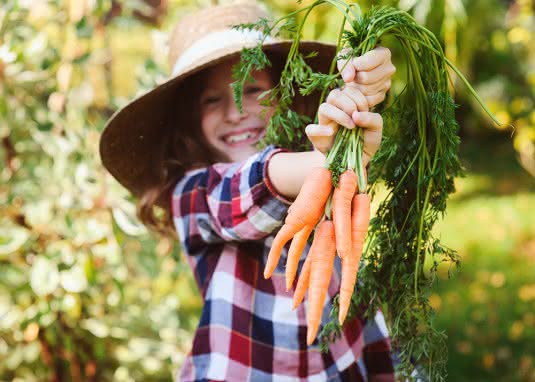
(322, 255)
(294, 254)
(360, 219)
(341, 211)
(306, 210)
(302, 283)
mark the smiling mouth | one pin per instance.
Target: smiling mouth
(243, 138)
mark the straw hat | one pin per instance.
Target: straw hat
(132, 141)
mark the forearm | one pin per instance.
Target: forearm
(287, 171)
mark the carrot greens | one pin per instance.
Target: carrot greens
(417, 163)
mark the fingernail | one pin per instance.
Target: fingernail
(345, 76)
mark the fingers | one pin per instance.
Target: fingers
(379, 75)
(369, 121)
(380, 87)
(376, 99)
(328, 113)
(349, 99)
(351, 90)
(372, 59)
(322, 137)
(373, 132)
(345, 67)
(369, 68)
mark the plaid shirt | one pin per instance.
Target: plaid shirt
(226, 216)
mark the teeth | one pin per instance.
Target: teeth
(240, 137)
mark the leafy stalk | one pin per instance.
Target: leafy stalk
(417, 163)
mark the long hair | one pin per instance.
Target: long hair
(187, 148)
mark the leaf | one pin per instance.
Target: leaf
(44, 276)
(126, 223)
(89, 231)
(74, 279)
(15, 358)
(96, 327)
(84, 29)
(11, 240)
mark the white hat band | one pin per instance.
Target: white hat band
(216, 41)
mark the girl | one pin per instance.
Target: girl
(185, 147)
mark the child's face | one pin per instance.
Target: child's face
(232, 134)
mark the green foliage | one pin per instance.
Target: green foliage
(86, 293)
(417, 162)
(285, 127)
(487, 309)
(256, 59)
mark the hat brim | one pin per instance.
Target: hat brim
(133, 136)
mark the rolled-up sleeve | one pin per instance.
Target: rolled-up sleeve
(228, 202)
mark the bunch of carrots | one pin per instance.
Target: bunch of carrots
(339, 209)
(417, 164)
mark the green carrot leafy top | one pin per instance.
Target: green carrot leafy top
(417, 163)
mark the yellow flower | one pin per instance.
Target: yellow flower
(497, 279)
(435, 301)
(519, 104)
(464, 347)
(519, 35)
(31, 332)
(516, 330)
(531, 78)
(527, 292)
(488, 360)
(504, 118)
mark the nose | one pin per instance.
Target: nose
(233, 115)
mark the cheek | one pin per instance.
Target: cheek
(209, 124)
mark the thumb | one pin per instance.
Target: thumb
(321, 137)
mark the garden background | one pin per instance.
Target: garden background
(87, 294)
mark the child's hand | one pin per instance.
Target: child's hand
(367, 79)
(346, 107)
(371, 73)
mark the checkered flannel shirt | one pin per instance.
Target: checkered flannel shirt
(226, 217)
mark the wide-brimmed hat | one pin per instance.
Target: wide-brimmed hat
(131, 145)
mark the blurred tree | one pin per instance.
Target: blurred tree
(72, 256)
(492, 43)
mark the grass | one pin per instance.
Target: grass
(487, 308)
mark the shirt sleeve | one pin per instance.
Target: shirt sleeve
(228, 202)
(377, 350)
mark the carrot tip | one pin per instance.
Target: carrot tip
(310, 338)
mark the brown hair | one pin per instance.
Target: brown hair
(186, 149)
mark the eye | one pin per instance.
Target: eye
(210, 100)
(253, 89)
